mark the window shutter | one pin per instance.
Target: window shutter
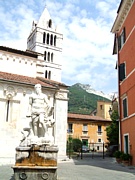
(119, 43)
(124, 34)
(121, 72)
(124, 107)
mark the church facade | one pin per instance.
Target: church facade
(19, 72)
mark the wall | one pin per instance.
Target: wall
(127, 86)
(92, 134)
(10, 131)
(17, 64)
(61, 122)
(103, 109)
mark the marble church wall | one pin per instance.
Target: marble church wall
(13, 108)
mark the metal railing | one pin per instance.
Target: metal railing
(95, 150)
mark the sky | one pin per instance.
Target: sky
(87, 39)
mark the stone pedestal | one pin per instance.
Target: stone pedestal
(36, 163)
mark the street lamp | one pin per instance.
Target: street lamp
(110, 111)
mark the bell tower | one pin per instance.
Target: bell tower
(46, 40)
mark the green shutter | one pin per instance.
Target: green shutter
(125, 107)
(121, 72)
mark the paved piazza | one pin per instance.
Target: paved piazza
(84, 169)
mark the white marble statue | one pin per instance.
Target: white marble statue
(41, 113)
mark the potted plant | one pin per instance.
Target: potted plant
(126, 159)
(118, 155)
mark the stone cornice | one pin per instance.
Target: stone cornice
(122, 14)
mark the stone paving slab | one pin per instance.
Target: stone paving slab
(84, 169)
(95, 169)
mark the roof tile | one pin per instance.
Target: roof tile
(23, 79)
(86, 117)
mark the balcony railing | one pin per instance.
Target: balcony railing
(85, 130)
(99, 132)
(70, 131)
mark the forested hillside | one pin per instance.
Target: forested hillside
(80, 101)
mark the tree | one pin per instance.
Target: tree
(77, 144)
(113, 129)
(74, 144)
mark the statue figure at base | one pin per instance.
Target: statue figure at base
(41, 114)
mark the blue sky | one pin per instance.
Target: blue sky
(87, 45)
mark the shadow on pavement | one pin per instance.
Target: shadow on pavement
(6, 172)
(106, 163)
(76, 166)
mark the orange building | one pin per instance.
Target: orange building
(124, 47)
(89, 129)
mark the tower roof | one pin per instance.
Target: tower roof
(44, 19)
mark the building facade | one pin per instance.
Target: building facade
(19, 72)
(89, 129)
(124, 31)
(103, 108)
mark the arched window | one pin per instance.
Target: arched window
(51, 40)
(51, 57)
(55, 40)
(45, 55)
(46, 74)
(50, 23)
(49, 75)
(48, 57)
(44, 36)
(48, 38)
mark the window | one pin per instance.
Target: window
(121, 39)
(48, 57)
(85, 127)
(51, 41)
(9, 110)
(49, 75)
(44, 35)
(45, 55)
(70, 128)
(101, 107)
(7, 113)
(48, 38)
(54, 40)
(99, 130)
(51, 57)
(122, 72)
(50, 23)
(99, 140)
(45, 74)
(125, 112)
(126, 143)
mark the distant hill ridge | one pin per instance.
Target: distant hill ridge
(83, 98)
(89, 89)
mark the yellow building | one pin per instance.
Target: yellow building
(89, 129)
(103, 108)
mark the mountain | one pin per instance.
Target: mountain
(89, 89)
(83, 99)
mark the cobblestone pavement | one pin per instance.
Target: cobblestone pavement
(84, 169)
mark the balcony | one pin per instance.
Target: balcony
(99, 133)
(70, 131)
